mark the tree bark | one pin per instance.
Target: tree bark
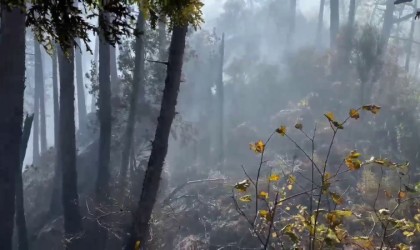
(12, 79)
(22, 233)
(320, 23)
(81, 99)
(67, 153)
(163, 43)
(104, 100)
(95, 60)
(137, 94)
(387, 25)
(42, 114)
(55, 94)
(35, 133)
(334, 22)
(410, 42)
(115, 85)
(140, 226)
(55, 204)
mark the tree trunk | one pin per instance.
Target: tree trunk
(163, 57)
(334, 22)
(35, 133)
(115, 85)
(12, 79)
(137, 93)
(292, 22)
(410, 43)
(140, 227)
(22, 233)
(104, 100)
(352, 13)
(81, 99)
(387, 25)
(67, 153)
(163, 43)
(95, 60)
(220, 101)
(55, 94)
(320, 23)
(42, 115)
(55, 204)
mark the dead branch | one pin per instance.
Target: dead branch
(165, 63)
(177, 189)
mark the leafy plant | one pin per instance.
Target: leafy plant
(324, 218)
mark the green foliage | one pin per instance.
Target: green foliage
(179, 12)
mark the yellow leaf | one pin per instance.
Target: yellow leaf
(403, 246)
(354, 154)
(372, 108)
(341, 233)
(354, 114)
(330, 116)
(274, 177)
(326, 184)
(257, 147)
(402, 195)
(337, 124)
(291, 180)
(287, 208)
(263, 195)
(353, 164)
(242, 186)
(418, 227)
(282, 130)
(338, 199)
(265, 214)
(137, 245)
(288, 230)
(299, 126)
(342, 213)
(408, 233)
(417, 217)
(331, 236)
(363, 242)
(246, 198)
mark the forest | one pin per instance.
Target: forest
(205, 124)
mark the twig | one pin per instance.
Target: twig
(259, 172)
(249, 178)
(303, 151)
(177, 189)
(273, 214)
(165, 63)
